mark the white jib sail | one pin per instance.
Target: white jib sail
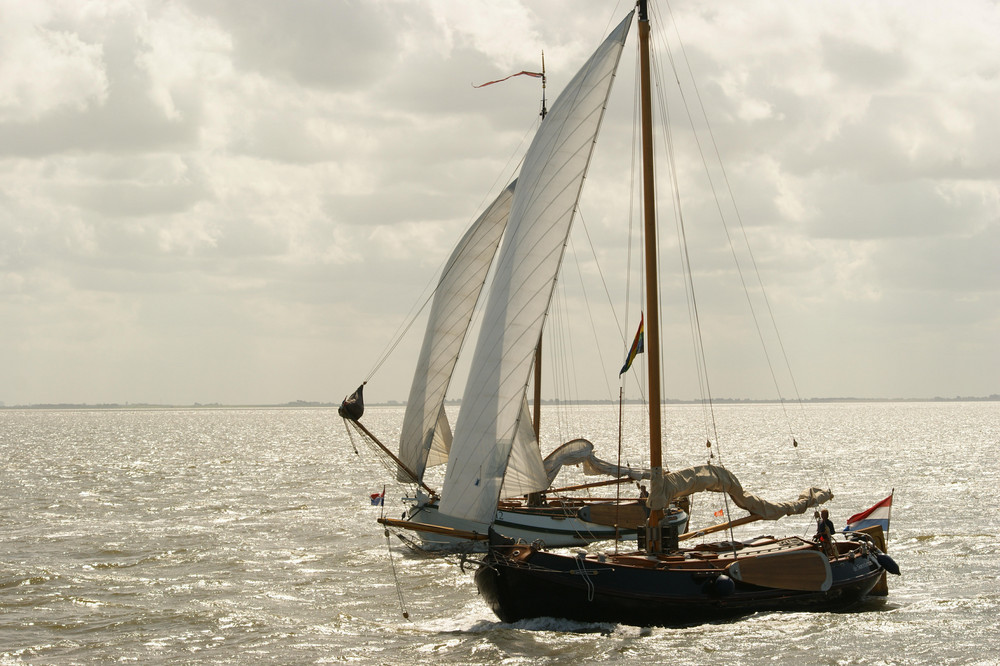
(541, 215)
(426, 435)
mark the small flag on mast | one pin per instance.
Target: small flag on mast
(537, 75)
(638, 346)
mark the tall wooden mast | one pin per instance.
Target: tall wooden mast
(536, 498)
(652, 282)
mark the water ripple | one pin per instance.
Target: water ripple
(221, 536)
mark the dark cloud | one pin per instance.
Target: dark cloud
(859, 65)
(317, 43)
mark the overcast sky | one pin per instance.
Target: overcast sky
(239, 201)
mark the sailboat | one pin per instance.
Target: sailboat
(531, 508)
(663, 582)
(564, 520)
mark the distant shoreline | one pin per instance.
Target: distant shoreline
(392, 403)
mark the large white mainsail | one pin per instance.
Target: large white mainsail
(426, 435)
(491, 417)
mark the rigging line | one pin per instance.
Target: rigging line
(729, 518)
(350, 436)
(685, 263)
(633, 195)
(725, 227)
(395, 576)
(618, 487)
(631, 203)
(739, 217)
(660, 292)
(760, 280)
(572, 386)
(401, 330)
(383, 459)
(586, 300)
(687, 272)
(556, 341)
(560, 372)
(581, 567)
(694, 317)
(566, 333)
(750, 253)
(604, 282)
(412, 316)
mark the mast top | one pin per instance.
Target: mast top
(544, 110)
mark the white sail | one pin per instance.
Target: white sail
(525, 467)
(580, 451)
(426, 435)
(541, 214)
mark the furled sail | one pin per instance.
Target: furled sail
(541, 215)
(353, 406)
(426, 435)
(700, 478)
(581, 452)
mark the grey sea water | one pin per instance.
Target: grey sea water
(247, 536)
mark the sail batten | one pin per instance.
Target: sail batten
(541, 215)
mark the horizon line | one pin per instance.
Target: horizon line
(457, 401)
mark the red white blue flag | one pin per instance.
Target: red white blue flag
(378, 499)
(877, 515)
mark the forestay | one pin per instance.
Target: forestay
(541, 216)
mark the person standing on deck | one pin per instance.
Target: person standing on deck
(824, 533)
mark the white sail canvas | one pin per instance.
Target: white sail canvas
(426, 435)
(541, 215)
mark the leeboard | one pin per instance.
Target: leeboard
(622, 515)
(805, 570)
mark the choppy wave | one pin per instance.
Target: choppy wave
(220, 536)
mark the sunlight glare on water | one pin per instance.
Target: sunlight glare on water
(222, 535)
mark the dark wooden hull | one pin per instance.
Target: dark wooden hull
(518, 584)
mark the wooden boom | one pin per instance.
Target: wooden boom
(394, 457)
(434, 529)
(752, 518)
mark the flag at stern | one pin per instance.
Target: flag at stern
(876, 515)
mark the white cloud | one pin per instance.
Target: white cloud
(197, 194)
(43, 67)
